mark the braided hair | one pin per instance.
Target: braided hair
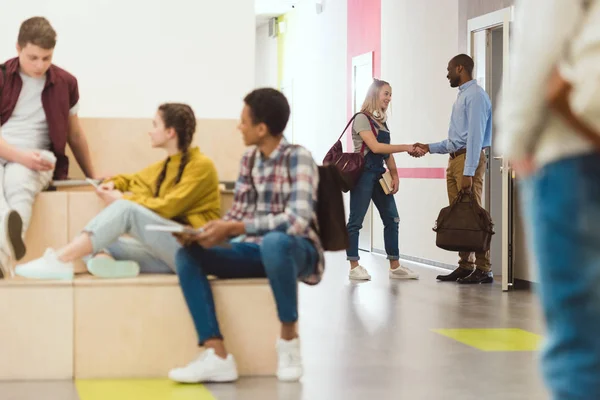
(181, 118)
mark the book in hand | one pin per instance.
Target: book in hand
(174, 229)
(386, 182)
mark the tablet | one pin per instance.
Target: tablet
(173, 229)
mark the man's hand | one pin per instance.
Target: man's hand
(186, 239)
(419, 150)
(395, 184)
(467, 183)
(558, 92)
(217, 232)
(109, 196)
(34, 161)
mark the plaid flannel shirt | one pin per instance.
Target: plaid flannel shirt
(283, 201)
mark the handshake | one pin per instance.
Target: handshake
(419, 150)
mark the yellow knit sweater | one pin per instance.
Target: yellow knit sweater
(194, 201)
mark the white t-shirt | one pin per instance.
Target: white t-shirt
(27, 127)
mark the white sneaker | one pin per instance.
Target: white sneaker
(208, 367)
(104, 267)
(359, 274)
(403, 273)
(289, 367)
(46, 267)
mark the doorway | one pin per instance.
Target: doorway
(362, 77)
(488, 44)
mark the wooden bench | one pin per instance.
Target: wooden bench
(94, 328)
(141, 328)
(126, 328)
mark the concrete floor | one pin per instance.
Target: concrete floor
(375, 340)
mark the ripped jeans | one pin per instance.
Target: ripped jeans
(368, 188)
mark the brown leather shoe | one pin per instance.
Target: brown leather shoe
(458, 273)
(478, 276)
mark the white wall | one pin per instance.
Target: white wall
(418, 40)
(266, 58)
(131, 56)
(315, 74)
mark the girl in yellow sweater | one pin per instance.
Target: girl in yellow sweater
(183, 189)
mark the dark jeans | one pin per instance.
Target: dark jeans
(367, 189)
(281, 258)
(562, 203)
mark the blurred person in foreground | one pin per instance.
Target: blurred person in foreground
(549, 119)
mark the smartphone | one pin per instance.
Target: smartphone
(174, 229)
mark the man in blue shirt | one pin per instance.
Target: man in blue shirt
(470, 133)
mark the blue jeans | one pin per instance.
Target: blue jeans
(281, 258)
(562, 203)
(367, 189)
(153, 251)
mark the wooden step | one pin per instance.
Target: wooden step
(36, 330)
(127, 328)
(141, 328)
(92, 328)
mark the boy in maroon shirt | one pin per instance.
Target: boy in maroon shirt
(38, 117)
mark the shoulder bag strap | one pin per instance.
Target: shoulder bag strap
(347, 125)
(373, 129)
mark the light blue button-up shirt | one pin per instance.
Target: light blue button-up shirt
(470, 126)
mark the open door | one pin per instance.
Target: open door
(489, 45)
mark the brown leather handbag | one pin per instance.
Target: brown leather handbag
(464, 226)
(350, 165)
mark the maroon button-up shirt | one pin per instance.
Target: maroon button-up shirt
(59, 96)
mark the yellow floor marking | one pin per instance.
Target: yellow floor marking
(140, 389)
(495, 339)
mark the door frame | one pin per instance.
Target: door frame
(365, 59)
(495, 19)
(287, 88)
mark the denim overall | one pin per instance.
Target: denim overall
(368, 188)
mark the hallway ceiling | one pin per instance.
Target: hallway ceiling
(266, 9)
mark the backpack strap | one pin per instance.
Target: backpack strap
(250, 168)
(289, 163)
(253, 159)
(289, 157)
(3, 76)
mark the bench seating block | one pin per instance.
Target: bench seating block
(141, 327)
(36, 332)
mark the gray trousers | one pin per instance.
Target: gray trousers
(153, 251)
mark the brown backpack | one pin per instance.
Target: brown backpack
(330, 206)
(464, 226)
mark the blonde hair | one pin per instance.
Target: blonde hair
(370, 105)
